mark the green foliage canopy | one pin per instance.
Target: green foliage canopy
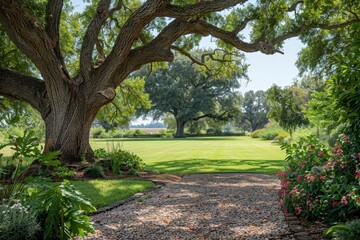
(191, 93)
(286, 106)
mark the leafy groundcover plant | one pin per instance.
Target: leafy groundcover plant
(319, 183)
(57, 211)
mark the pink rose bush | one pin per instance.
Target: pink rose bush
(320, 183)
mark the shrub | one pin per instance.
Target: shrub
(100, 153)
(17, 222)
(168, 133)
(270, 134)
(120, 157)
(97, 132)
(321, 184)
(117, 134)
(256, 133)
(282, 137)
(138, 132)
(128, 133)
(302, 132)
(94, 171)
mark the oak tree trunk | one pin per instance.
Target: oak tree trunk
(69, 133)
(180, 125)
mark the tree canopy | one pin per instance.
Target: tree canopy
(254, 110)
(286, 106)
(67, 65)
(191, 93)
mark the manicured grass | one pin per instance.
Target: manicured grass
(105, 192)
(202, 155)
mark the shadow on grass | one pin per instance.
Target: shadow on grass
(187, 166)
(230, 138)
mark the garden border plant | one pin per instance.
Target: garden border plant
(321, 184)
(59, 210)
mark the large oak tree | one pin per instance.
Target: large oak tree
(120, 36)
(192, 93)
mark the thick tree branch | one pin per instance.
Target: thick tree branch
(305, 28)
(129, 33)
(91, 35)
(52, 18)
(25, 88)
(29, 37)
(199, 8)
(221, 117)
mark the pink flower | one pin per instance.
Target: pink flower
(358, 200)
(298, 178)
(320, 154)
(322, 178)
(311, 178)
(334, 204)
(286, 212)
(344, 201)
(357, 175)
(312, 146)
(298, 210)
(358, 155)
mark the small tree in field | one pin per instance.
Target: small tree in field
(67, 65)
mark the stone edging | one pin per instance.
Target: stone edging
(136, 196)
(297, 230)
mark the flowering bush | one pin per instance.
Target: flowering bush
(321, 184)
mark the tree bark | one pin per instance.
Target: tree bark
(72, 137)
(180, 125)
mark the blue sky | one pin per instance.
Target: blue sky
(266, 70)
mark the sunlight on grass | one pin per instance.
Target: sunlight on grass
(104, 192)
(202, 155)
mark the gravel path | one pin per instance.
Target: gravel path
(200, 206)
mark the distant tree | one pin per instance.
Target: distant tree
(169, 121)
(286, 106)
(254, 110)
(191, 93)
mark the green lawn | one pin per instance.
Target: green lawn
(202, 155)
(190, 155)
(105, 192)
